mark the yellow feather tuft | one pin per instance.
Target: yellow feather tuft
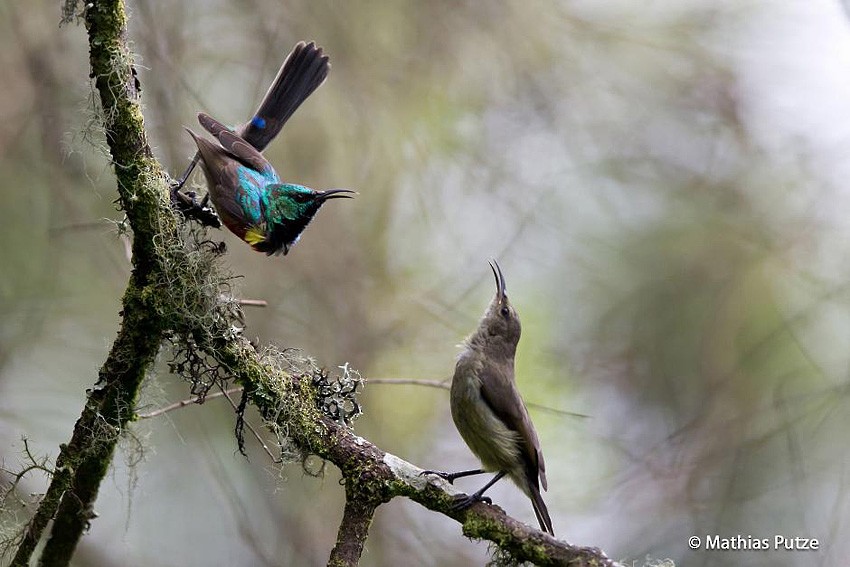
(254, 236)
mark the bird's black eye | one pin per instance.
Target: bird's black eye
(505, 312)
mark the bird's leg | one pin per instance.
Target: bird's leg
(451, 477)
(178, 184)
(188, 204)
(463, 501)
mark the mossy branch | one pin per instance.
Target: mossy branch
(175, 293)
(353, 530)
(84, 461)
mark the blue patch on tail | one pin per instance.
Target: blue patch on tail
(259, 122)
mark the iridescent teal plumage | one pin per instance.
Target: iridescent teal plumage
(248, 194)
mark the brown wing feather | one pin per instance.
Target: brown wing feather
(500, 394)
(230, 141)
(212, 125)
(218, 165)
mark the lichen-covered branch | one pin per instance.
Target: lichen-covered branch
(83, 462)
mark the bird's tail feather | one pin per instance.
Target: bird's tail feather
(304, 70)
(540, 509)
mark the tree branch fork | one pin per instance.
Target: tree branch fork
(379, 476)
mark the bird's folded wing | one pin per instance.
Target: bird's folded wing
(235, 145)
(499, 392)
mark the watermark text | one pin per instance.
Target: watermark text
(741, 542)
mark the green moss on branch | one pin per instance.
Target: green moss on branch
(83, 462)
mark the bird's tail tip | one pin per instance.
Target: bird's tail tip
(191, 132)
(541, 511)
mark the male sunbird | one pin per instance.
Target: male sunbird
(248, 194)
(488, 410)
(245, 189)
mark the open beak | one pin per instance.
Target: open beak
(500, 280)
(336, 194)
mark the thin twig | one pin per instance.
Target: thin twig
(250, 427)
(34, 464)
(184, 403)
(201, 399)
(445, 385)
(248, 302)
(253, 302)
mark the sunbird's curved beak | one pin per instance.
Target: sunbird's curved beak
(336, 194)
(500, 280)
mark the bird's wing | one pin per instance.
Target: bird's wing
(304, 70)
(238, 147)
(212, 125)
(499, 392)
(239, 207)
(230, 212)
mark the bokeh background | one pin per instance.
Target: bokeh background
(663, 183)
